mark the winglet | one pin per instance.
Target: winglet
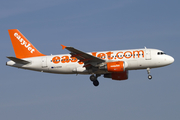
(63, 46)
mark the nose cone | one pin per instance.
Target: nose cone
(170, 60)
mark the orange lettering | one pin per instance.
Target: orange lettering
(126, 56)
(101, 55)
(138, 52)
(94, 53)
(80, 62)
(117, 55)
(109, 55)
(56, 60)
(73, 59)
(65, 59)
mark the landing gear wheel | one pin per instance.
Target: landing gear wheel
(149, 77)
(93, 78)
(96, 83)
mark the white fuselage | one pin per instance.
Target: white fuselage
(64, 64)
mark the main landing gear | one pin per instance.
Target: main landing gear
(149, 76)
(93, 78)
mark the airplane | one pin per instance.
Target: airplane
(111, 64)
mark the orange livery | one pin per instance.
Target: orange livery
(111, 64)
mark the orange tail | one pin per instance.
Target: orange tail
(22, 47)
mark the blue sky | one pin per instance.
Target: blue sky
(94, 25)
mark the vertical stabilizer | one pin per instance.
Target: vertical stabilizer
(22, 47)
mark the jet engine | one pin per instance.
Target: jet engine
(117, 76)
(118, 66)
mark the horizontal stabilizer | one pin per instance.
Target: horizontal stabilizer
(17, 60)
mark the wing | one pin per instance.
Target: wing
(87, 59)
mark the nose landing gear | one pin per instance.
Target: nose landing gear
(93, 78)
(149, 76)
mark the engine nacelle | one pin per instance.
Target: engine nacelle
(117, 76)
(118, 66)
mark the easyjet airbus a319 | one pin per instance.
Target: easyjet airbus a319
(110, 64)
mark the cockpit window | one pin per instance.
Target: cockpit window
(161, 53)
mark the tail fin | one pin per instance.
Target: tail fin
(22, 47)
